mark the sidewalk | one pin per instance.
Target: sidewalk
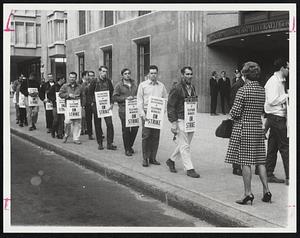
(211, 197)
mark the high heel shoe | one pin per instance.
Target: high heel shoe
(246, 199)
(267, 197)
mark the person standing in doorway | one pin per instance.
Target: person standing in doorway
(214, 90)
(150, 136)
(224, 87)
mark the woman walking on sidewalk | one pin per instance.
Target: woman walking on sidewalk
(246, 145)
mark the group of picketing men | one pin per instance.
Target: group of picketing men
(96, 95)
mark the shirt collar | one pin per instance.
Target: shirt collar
(281, 79)
(152, 83)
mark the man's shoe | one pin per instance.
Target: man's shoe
(33, 125)
(17, 122)
(155, 162)
(273, 179)
(287, 182)
(145, 163)
(26, 123)
(102, 137)
(65, 139)
(237, 172)
(49, 131)
(21, 125)
(31, 128)
(111, 147)
(100, 147)
(192, 173)
(59, 136)
(128, 153)
(77, 142)
(131, 151)
(91, 137)
(53, 135)
(171, 165)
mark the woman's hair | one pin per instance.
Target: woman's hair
(251, 71)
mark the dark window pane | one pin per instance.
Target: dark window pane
(107, 60)
(108, 18)
(143, 12)
(81, 22)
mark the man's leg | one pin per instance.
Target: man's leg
(132, 135)
(283, 146)
(146, 142)
(110, 130)
(60, 125)
(271, 152)
(222, 103)
(88, 117)
(98, 130)
(155, 134)
(125, 133)
(54, 122)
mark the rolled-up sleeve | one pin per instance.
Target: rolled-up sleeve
(140, 100)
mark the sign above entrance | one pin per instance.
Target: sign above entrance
(248, 29)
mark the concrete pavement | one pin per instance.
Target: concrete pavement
(211, 197)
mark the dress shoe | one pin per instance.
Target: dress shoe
(17, 122)
(53, 135)
(33, 125)
(192, 173)
(100, 147)
(128, 153)
(267, 197)
(145, 163)
(21, 125)
(245, 200)
(91, 137)
(103, 137)
(155, 162)
(65, 139)
(77, 142)
(49, 131)
(59, 136)
(224, 113)
(111, 147)
(237, 172)
(26, 123)
(131, 150)
(31, 128)
(273, 179)
(171, 165)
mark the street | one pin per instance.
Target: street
(47, 189)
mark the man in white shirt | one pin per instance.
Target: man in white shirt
(150, 136)
(276, 109)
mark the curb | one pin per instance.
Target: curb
(196, 205)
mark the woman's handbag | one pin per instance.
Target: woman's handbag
(224, 130)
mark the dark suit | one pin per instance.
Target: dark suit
(214, 90)
(224, 88)
(45, 88)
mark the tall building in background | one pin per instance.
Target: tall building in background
(38, 43)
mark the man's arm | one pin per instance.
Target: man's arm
(273, 96)
(140, 101)
(172, 105)
(117, 97)
(63, 92)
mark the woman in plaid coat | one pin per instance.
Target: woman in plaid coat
(246, 145)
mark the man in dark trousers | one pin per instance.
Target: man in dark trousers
(58, 119)
(103, 83)
(43, 96)
(237, 170)
(225, 88)
(214, 90)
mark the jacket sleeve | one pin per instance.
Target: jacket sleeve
(63, 92)
(172, 105)
(24, 88)
(91, 91)
(237, 109)
(111, 91)
(51, 94)
(82, 96)
(42, 92)
(117, 97)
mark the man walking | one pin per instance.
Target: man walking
(150, 136)
(214, 90)
(16, 85)
(30, 88)
(182, 92)
(58, 118)
(276, 109)
(43, 96)
(103, 83)
(72, 91)
(126, 89)
(224, 87)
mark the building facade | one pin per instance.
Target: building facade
(205, 40)
(38, 43)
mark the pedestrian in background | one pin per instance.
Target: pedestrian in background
(84, 76)
(150, 136)
(246, 144)
(276, 109)
(21, 103)
(126, 89)
(178, 95)
(45, 87)
(224, 88)
(58, 119)
(237, 76)
(71, 91)
(214, 90)
(103, 83)
(16, 85)
(31, 110)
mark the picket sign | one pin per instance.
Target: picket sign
(190, 110)
(60, 104)
(15, 98)
(155, 112)
(103, 104)
(33, 101)
(22, 100)
(131, 113)
(73, 109)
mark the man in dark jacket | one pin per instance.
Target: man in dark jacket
(214, 90)
(30, 88)
(224, 87)
(178, 94)
(58, 119)
(43, 96)
(103, 84)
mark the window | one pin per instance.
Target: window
(66, 29)
(107, 60)
(80, 64)
(38, 34)
(89, 21)
(82, 29)
(50, 33)
(12, 34)
(143, 58)
(141, 13)
(59, 30)
(20, 33)
(125, 15)
(108, 18)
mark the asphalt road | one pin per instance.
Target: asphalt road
(47, 189)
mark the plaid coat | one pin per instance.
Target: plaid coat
(246, 144)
